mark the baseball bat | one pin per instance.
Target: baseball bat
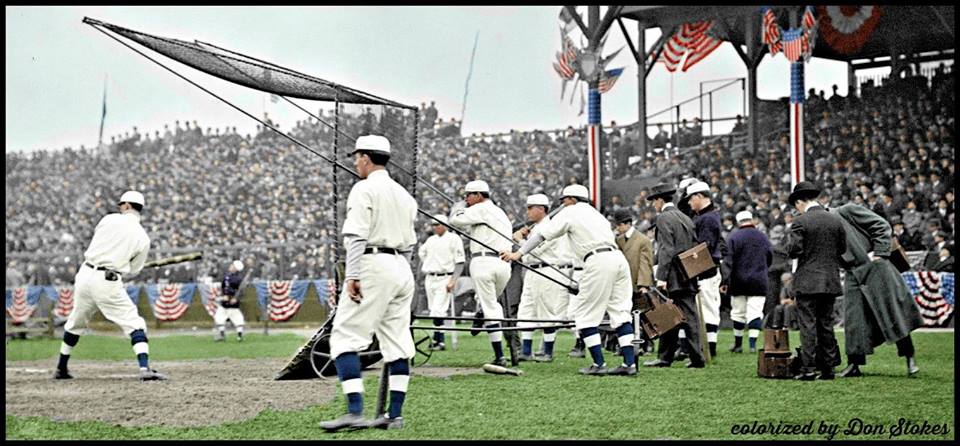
(175, 259)
(500, 370)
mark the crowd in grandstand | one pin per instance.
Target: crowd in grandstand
(890, 148)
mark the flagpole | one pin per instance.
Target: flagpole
(103, 113)
(466, 86)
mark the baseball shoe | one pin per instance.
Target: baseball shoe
(736, 349)
(522, 357)
(851, 371)
(543, 358)
(501, 361)
(239, 338)
(151, 375)
(384, 422)
(219, 338)
(656, 363)
(346, 421)
(61, 374)
(577, 352)
(912, 368)
(623, 370)
(753, 349)
(596, 370)
(438, 346)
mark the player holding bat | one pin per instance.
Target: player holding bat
(229, 303)
(119, 248)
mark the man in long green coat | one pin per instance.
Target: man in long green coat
(878, 307)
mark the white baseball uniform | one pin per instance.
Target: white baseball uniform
(439, 255)
(119, 244)
(542, 298)
(381, 212)
(709, 296)
(605, 283)
(490, 274)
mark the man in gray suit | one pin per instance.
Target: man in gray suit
(817, 239)
(675, 234)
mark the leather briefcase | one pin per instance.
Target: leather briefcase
(776, 341)
(660, 315)
(695, 261)
(898, 257)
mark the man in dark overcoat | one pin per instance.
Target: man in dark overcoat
(675, 233)
(878, 307)
(817, 240)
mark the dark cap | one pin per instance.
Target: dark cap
(622, 216)
(662, 190)
(804, 190)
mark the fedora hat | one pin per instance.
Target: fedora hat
(662, 190)
(804, 190)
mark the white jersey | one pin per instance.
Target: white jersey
(381, 212)
(440, 253)
(585, 227)
(473, 219)
(556, 252)
(119, 243)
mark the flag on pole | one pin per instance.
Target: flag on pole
(793, 44)
(610, 77)
(103, 113)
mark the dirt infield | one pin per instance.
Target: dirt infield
(199, 393)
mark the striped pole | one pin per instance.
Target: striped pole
(594, 155)
(796, 123)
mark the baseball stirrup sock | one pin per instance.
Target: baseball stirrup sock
(527, 342)
(591, 338)
(399, 379)
(66, 347)
(348, 370)
(754, 332)
(139, 340)
(712, 332)
(549, 337)
(438, 335)
(625, 338)
(496, 340)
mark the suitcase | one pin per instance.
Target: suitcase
(695, 261)
(775, 366)
(660, 315)
(898, 257)
(776, 341)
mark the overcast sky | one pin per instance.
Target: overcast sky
(56, 67)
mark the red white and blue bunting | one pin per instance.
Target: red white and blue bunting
(934, 294)
(209, 296)
(22, 303)
(796, 43)
(847, 28)
(170, 301)
(282, 298)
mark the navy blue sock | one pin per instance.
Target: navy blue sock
(738, 325)
(595, 351)
(629, 356)
(142, 359)
(548, 345)
(137, 337)
(497, 345)
(348, 368)
(527, 346)
(399, 367)
(755, 324)
(753, 342)
(71, 340)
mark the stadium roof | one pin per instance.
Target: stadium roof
(910, 29)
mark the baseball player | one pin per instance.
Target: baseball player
(119, 248)
(229, 305)
(377, 233)
(747, 261)
(605, 286)
(490, 274)
(442, 259)
(542, 298)
(707, 224)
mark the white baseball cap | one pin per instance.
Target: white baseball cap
(238, 265)
(686, 182)
(699, 186)
(576, 190)
(477, 186)
(743, 216)
(131, 196)
(371, 143)
(439, 218)
(538, 200)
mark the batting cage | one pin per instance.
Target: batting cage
(329, 135)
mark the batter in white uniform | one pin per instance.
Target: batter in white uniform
(441, 257)
(605, 286)
(490, 274)
(228, 307)
(377, 233)
(119, 248)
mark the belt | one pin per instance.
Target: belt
(439, 274)
(595, 251)
(485, 254)
(542, 265)
(379, 250)
(578, 268)
(98, 268)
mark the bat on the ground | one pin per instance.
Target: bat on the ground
(189, 257)
(499, 370)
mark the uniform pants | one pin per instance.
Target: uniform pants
(92, 292)
(222, 315)
(490, 276)
(386, 283)
(710, 299)
(818, 344)
(438, 299)
(605, 287)
(687, 302)
(744, 309)
(543, 298)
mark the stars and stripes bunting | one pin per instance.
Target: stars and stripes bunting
(690, 44)
(934, 294)
(22, 302)
(210, 296)
(170, 301)
(282, 298)
(64, 304)
(609, 79)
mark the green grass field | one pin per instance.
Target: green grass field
(552, 401)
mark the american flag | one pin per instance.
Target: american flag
(692, 42)
(934, 294)
(566, 71)
(793, 44)
(610, 77)
(808, 19)
(771, 31)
